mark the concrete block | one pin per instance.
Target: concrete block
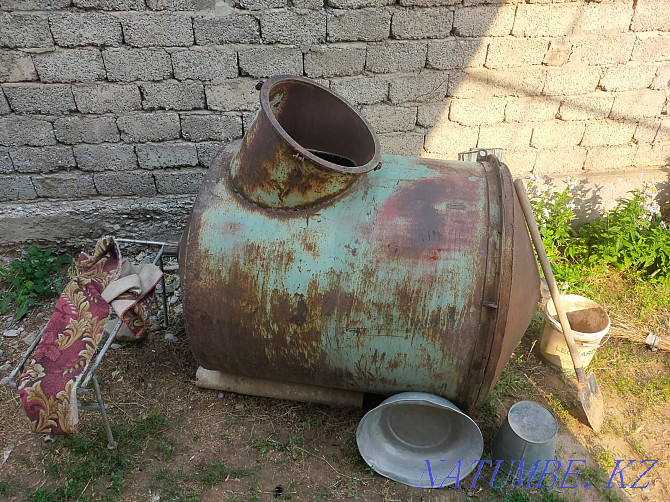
(182, 181)
(506, 136)
(477, 111)
(308, 4)
(424, 23)
(608, 133)
(293, 27)
(12, 5)
(145, 127)
(558, 53)
(661, 80)
(237, 94)
(652, 47)
(520, 162)
(557, 134)
(64, 186)
(260, 4)
(479, 83)
(401, 143)
(17, 130)
(263, 62)
(228, 29)
(16, 66)
(447, 140)
(6, 165)
(43, 159)
(16, 188)
(356, 4)
(186, 5)
(361, 24)
(335, 60)
(531, 109)
(70, 65)
(456, 53)
(401, 56)
(484, 20)
(157, 156)
(647, 130)
(571, 81)
(136, 183)
(604, 17)
(45, 99)
(503, 52)
(25, 31)
(112, 157)
(106, 98)
(361, 90)
(635, 105)
(534, 20)
(211, 126)
(173, 95)
(431, 114)
(113, 5)
(596, 105)
(129, 65)
(428, 3)
(4, 106)
(207, 150)
(88, 28)
(608, 158)
(562, 160)
(628, 77)
(651, 15)
(200, 64)
(602, 49)
(86, 129)
(418, 87)
(157, 30)
(663, 133)
(657, 155)
(388, 118)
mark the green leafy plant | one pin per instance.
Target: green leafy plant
(632, 237)
(31, 278)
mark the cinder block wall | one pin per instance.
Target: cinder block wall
(111, 110)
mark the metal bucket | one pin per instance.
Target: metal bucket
(307, 260)
(528, 433)
(419, 439)
(589, 322)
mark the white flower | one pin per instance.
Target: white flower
(571, 182)
(663, 225)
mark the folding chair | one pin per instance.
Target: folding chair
(88, 375)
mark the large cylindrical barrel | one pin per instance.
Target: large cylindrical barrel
(304, 261)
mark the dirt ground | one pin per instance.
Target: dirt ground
(282, 450)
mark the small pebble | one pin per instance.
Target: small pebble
(29, 338)
(170, 337)
(10, 333)
(220, 396)
(115, 346)
(6, 367)
(178, 309)
(174, 299)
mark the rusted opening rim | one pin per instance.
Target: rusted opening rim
(369, 165)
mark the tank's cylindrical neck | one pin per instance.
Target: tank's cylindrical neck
(305, 147)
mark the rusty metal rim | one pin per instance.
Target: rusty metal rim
(373, 163)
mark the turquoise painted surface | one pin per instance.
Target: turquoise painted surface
(379, 290)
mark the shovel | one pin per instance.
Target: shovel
(588, 392)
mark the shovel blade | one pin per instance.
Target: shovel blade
(592, 401)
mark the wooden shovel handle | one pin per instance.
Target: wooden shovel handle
(549, 276)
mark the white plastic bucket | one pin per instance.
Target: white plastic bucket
(589, 322)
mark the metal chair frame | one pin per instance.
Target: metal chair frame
(88, 375)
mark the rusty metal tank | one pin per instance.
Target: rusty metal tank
(310, 258)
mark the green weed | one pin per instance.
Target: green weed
(31, 278)
(90, 465)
